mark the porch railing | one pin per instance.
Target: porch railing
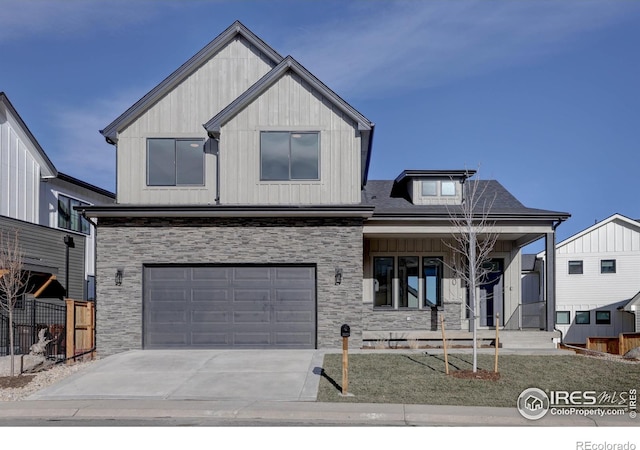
(528, 316)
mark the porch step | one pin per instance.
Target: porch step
(520, 339)
(529, 339)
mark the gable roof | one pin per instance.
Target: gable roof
(391, 202)
(597, 225)
(289, 64)
(110, 132)
(47, 169)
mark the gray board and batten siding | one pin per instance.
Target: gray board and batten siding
(45, 251)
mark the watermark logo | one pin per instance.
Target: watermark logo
(534, 403)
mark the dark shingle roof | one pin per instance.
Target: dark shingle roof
(391, 199)
(528, 262)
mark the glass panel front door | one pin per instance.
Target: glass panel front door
(492, 293)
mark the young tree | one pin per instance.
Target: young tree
(13, 280)
(473, 241)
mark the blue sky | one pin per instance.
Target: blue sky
(543, 96)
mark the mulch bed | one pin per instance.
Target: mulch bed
(15, 382)
(479, 375)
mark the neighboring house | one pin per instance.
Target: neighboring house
(598, 281)
(37, 201)
(245, 218)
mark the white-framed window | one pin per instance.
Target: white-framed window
(289, 155)
(175, 162)
(407, 281)
(563, 317)
(70, 219)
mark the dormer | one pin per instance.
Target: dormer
(432, 187)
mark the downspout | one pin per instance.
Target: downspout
(217, 150)
(551, 316)
(95, 284)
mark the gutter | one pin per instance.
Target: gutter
(226, 211)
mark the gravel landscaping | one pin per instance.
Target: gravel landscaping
(19, 387)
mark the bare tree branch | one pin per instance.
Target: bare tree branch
(473, 240)
(13, 280)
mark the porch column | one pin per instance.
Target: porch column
(550, 277)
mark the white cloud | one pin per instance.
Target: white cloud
(26, 18)
(78, 148)
(398, 45)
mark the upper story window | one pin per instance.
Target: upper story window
(608, 266)
(288, 155)
(175, 162)
(68, 218)
(435, 188)
(575, 267)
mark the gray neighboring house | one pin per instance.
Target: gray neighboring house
(245, 219)
(37, 200)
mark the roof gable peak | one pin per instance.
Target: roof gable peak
(110, 132)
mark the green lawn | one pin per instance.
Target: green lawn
(420, 378)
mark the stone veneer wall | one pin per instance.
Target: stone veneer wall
(129, 244)
(412, 319)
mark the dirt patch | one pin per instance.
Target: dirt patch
(15, 382)
(479, 375)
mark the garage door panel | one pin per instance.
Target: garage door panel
(229, 307)
(209, 317)
(168, 317)
(244, 274)
(170, 339)
(251, 295)
(209, 295)
(219, 274)
(251, 317)
(250, 339)
(289, 339)
(207, 339)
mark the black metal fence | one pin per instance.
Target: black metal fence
(31, 317)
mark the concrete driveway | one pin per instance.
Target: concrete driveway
(276, 375)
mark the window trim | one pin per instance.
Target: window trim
(82, 221)
(567, 321)
(576, 267)
(601, 321)
(613, 266)
(588, 315)
(289, 179)
(175, 184)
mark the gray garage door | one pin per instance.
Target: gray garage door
(229, 307)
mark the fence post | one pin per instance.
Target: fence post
(70, 329)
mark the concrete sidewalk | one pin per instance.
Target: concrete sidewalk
(314, 413)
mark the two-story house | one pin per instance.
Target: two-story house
(37, 200)
(598, 280)
(58, 244)
(245, 218)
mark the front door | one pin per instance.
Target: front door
(491, 292)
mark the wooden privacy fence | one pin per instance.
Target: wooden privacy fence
(81, 324)
(614, 345)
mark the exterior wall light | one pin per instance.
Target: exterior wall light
(338, 275)
(119, 273)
